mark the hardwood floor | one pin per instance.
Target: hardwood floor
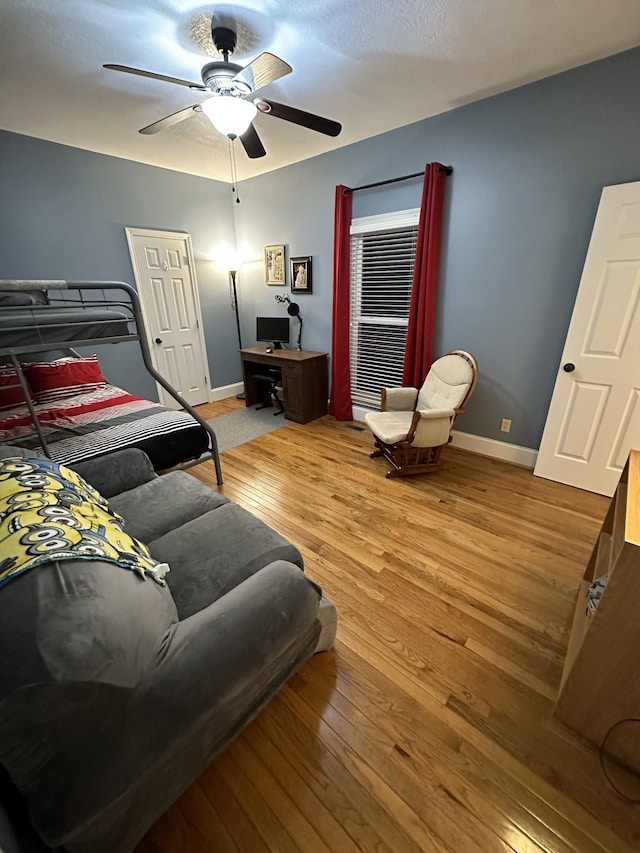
(429, 727)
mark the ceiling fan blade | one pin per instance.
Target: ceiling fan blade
(252, 144)
(155, 76)
(310, 120)
(169, 121)
(263, 70)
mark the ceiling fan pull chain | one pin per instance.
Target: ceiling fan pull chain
(234, 172)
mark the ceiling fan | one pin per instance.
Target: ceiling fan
(229, 87)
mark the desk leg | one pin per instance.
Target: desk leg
(251, 396)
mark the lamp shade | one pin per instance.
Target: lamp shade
(228, 114)
(228, 259)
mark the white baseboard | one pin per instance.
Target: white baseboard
(497, 449)
(479, 444)
(225, 391)
(360, 411)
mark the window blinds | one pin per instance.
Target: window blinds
(383, 252)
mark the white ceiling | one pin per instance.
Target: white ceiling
(370, 64)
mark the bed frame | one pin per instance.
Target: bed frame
(82, 297)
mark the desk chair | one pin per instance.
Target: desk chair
(270, 381)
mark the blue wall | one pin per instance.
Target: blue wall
(63, 213)
(529, 166)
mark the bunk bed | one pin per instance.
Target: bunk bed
(88, 418)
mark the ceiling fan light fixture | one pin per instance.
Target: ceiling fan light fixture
(228, 87)
(228, 114)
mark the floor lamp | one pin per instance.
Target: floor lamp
(232, 275)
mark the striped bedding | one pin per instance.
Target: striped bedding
(105, 419)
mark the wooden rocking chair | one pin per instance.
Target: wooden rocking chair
(413, 426)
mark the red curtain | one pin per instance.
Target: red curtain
(422, 312)
(340, 400)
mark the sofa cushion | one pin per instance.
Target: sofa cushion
(116, 472)
(48, 512)
(77, 639)
(212, 554)
(163, 504)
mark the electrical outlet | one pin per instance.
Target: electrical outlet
(505, 425)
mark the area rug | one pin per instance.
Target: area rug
(244, 425)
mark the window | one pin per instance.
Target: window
(383, 250)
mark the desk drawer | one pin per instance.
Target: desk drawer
(264, 359)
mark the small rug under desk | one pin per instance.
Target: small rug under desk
(245, 425)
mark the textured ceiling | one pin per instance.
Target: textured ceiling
(371, 65)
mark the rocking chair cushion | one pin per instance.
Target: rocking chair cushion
(446, 384)
(392, 427)
(400, 399)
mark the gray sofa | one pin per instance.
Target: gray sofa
(116, 693)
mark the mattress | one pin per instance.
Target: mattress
(107, 419)
(50, 324)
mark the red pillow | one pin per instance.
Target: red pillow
(66, 377)
(10, 397)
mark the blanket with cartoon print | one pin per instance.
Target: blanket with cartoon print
(48, 512)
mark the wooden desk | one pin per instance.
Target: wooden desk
(304, 380)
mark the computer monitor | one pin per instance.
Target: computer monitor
(274, 330)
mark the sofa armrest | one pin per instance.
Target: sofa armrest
(116, 472)
(16, 833)
(236, 637)
(11, 450)
(398, 399)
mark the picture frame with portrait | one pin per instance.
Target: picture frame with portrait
(275, 270)
(300, 272)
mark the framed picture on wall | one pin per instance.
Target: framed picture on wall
(301, 275)
(274, 266)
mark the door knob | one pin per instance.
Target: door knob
(568, 367)
(158, 340)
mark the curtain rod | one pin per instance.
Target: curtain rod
(446, 169)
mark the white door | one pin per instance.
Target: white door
(594, 417)
(165, 277)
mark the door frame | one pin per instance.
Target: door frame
(132, 232)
